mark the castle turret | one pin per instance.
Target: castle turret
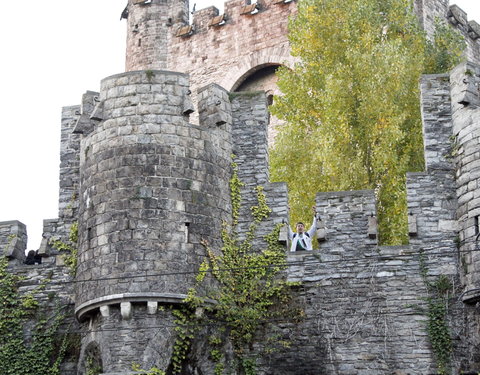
(152, 187)
(465, 147)
(150, 26)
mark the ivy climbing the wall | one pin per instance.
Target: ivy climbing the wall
(27, 351)
(69, 248)
(248, 291)
(437, 326)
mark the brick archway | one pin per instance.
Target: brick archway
(278, 55)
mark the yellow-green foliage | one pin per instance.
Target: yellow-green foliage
(352, 105)
(152, 371)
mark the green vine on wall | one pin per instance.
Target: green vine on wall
(69, 247)
(437, 308)
(21, 353)
(248, 290)
(185, 328)
(152, 371)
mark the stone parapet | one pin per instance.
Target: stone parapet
(437, 121)
(13, 239)
(362, 315)
(470, 30)
(432, 202)
(349, 220)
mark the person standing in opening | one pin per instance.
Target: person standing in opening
(302, 241)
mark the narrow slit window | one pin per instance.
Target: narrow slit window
(187, 232)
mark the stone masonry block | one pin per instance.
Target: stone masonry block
(126, 310)
(214, 106)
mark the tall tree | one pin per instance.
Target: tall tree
(351, 105)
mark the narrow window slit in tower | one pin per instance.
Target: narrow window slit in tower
(139, 42)
(187, 232)
(477, 228)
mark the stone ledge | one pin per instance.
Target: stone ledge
(85, 308)
(139, 72)
(471, 296)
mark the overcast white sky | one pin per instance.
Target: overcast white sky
(53, 51)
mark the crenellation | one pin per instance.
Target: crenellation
(347, 217)
(469, 29)
(201, 18)
(145, 170)
(437, 121)
(214, 107)
(456, 16)
(428, 11)
(13, 239)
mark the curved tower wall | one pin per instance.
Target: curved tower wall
(466, 148)
(152, 186)
(149, 28)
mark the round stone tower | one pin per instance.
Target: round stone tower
(152, 187)
(465, 146)
(150, 25)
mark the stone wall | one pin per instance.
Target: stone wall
(143, 333)
(428, 10)
(50, 283)
(469, 29)
(227, 53)
(147, 186)
(250, 146)
(150, 26)
(69, 164)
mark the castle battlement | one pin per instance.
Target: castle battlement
(236, 12)
(148, 183)
(469, 29)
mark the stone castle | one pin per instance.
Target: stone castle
(145, 165)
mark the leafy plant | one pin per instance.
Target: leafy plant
(69, 247)
(35, 353)
(152, 371)
(351, 104)
(437, 326)
(445, 50)
(248, 291)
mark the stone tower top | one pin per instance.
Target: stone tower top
(148, 31)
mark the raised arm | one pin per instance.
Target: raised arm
(313, 228)
(290, 231)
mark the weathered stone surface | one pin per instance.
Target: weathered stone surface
(147, 185)
(13, 239)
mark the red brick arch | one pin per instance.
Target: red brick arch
(256, 61)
